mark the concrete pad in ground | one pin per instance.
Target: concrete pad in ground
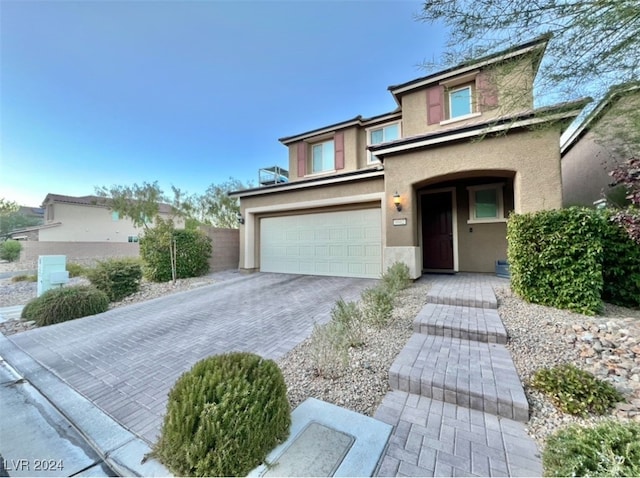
(36, 440)
(369, 441)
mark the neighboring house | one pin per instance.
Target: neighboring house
(429, 184)
(85, 219)
(598, 145)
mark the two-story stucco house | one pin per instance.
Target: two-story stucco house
(430, 184)
(88, 219)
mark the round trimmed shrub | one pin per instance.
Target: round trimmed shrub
(224, 416)
(118, 278)
(610, 448)
(66, 303)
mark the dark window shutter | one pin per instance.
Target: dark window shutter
(338, 142)
(302, 159)
(435, 100)
(486, 90)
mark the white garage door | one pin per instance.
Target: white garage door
(344, 243)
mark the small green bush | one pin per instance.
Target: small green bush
(377, 306)
(65, 303)
(576, 391)
(224, 416)
(24, 278)
(608, 449)
(396, 278)
(76, 270)
(118, 278)
(193, 249)
(10, 250)
(329, 350)
(349, 317)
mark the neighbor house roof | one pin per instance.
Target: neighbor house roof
(95, 201)
(35, 228)
(564, 112)
(613, 95)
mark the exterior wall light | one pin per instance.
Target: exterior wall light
(396, 201)
(240, 218)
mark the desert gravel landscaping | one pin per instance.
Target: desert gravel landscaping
(539, 336)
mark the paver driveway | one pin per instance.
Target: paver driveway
(127, 359)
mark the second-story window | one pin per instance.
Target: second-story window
(382, 134)
(460, 102)
(323, 157)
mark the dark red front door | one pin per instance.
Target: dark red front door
(437, 231)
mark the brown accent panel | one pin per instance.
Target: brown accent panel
(487, 91)
(302, 159)
(435, 101)
(338, 142)
(437, 231)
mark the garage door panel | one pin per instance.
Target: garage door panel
(343, 243)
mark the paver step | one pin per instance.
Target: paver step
(469, 323)
(468, 373)
(435, 438)
(450, 291)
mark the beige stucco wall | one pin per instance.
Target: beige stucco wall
(586, 165)
(83, 223)
(533, 158)
(347, 195)
(514, 80)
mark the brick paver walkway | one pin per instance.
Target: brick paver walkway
(457, 404)
(127, 359)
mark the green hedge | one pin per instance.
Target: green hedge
(65, 303)
(572, 259)
(118, 278)
(192, 256)
(620, 266)
(224, 416)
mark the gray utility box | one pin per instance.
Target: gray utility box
(502, 269)
(52, 272)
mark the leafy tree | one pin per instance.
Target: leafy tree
(7, 206)
(594, 43)
(215, 207)
(140, 203)
(16, 220)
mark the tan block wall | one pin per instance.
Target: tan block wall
(82, 252)
(226, 248)
(533, 156)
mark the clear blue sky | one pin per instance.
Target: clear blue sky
(95, 93)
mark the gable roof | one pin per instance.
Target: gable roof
(539, 43)
(94, 201)
(614, 94)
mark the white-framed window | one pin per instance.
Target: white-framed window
(382, 134)
(486, 203)
(132, 239)
(323, 157)
(460, 101)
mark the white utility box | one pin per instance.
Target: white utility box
(52, 272)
